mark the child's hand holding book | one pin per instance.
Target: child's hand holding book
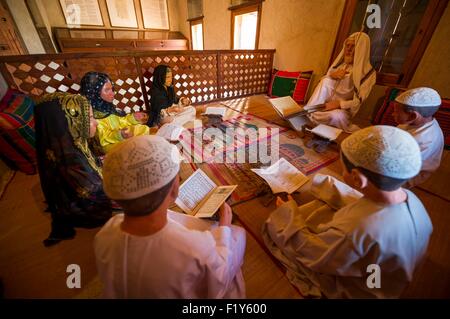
(225, 215)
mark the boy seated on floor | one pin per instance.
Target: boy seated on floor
(386, 228)
(413, 111)
(152, 252)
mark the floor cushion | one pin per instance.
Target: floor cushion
(17, 137)
(294, 84)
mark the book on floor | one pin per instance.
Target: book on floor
(199, 196)
(170, 132)
(328, 132)
(293, 113)
(286, 107)
(186, 115)
(215, 110)
(282, 176)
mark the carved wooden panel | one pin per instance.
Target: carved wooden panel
(194, 75)
(202, 76)
(42, 76)
(64, 75)
(245, 73)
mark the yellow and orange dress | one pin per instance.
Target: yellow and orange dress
(109, 129)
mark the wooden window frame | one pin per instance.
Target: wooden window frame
(243, 9)
(195, 21)
(425, 30)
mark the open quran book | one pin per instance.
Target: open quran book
(183, 117)
(216, 110)
(286, 107)
(293, 113)
(199, 196)
(282, 176)
(327, 132)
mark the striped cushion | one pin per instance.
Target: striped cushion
(384, 115)
(17, 138)
(17, 103)
(295, 84)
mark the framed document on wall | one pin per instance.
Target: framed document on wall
(155, 14)
(81, 12)
(122, 13)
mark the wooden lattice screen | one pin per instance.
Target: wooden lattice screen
(203, 76)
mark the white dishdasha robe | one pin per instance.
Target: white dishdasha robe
(431, 142)
(351, 91)
(188, 258)
(327, 252)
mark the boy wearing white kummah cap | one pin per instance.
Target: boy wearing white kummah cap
(413, 111)
(331, 245)
(151, 252)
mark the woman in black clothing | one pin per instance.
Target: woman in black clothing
(162, 95)
(70, 175)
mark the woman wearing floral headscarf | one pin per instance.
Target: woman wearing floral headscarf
(113, 125)
(70, 175)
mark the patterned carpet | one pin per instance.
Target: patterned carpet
(223, 171)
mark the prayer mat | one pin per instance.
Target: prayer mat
(200, 148)
(222, 166)
(384, 115)
(307, 160)
(250, 185)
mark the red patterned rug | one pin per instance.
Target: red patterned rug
(208, 149)
(250, 185)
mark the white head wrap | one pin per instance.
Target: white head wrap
(363, 77)
(139, 166)
(420, 97)
(386, 150)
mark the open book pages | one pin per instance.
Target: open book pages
(181, 118)
(200, 196)
(215, 199)
(328, 132)
(215, 110)
(282, 176)
(285, 106)
(170, 131)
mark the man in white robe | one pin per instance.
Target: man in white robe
(331, 245)
(151, 252)
(346, 85)
(413, 111)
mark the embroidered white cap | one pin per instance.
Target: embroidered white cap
(139, 166)
(420, 97)
(385, 150)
